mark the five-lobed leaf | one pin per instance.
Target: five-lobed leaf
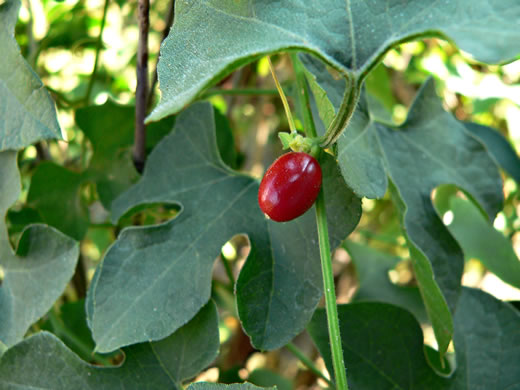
(154, 279)
(27, 113)
(159, 365)
(351, 36)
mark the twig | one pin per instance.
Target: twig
(141, 93)
(170, 17)
(99, 43)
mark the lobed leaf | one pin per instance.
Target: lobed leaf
(154, 279)
(350, 36)
(429, 149)
(160, 365)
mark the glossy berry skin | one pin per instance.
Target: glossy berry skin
(290, 186)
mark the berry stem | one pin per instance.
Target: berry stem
(283, 97)
(323, 235)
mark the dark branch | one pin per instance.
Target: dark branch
(141, 93)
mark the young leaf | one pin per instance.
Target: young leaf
(154, 279)
(27, 112)
(383, 346)
(350, 36)
(37, 274)
(160, 365)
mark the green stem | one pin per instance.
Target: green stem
(98, 51)
(239, 91)
(307, 362)
(345, 112)
(330, 294)
(323, 235)
(292, 126)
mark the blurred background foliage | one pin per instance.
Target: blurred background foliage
(64, 40)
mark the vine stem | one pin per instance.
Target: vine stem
(330, 294)
(98, 53)
(323, 236)
(141, 93)
(283, 97)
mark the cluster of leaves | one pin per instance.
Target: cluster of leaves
(153, 293)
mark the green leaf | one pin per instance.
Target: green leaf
(350, 36)
(383, 346)
(110, 129)
(265, 377)
(37, 274)
(225, 140)
(480, 240)
(499, 148)
(27, 112)
(160, 365)
(218, 386)
(429, 149)
(154, 279)
(55, 193)
(487, 343)
(372, 268)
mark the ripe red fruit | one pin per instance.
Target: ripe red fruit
(290, 186)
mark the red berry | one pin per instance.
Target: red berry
(290, 186)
